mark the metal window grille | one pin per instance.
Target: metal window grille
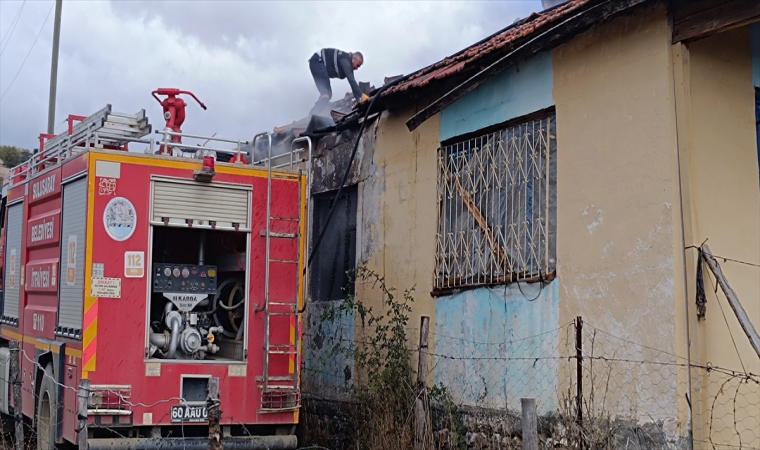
(497, 207)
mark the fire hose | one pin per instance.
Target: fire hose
(348, 167)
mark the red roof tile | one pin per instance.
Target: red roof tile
(456, 63)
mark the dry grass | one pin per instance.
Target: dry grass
(7, 435)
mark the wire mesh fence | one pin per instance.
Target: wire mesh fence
(593, 390)
(497, 374)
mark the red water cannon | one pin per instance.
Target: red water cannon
(174, 110)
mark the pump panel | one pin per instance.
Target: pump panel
(184, 278)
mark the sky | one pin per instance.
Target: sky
(247, 61)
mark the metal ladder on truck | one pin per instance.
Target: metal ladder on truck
(104, 129)
(282, 392)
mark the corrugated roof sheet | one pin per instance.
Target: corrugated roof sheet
(505, 38)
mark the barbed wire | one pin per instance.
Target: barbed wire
(627, 386)
(724, 258)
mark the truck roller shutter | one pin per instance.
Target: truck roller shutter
(177, 202)
(73, 228)
(13, 264)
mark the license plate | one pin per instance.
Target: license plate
(185, 413)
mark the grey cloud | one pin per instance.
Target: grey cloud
(246, 60)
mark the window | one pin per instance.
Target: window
(337, 252)
(497, 207)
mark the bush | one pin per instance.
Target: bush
(13, 156)
(379, 413)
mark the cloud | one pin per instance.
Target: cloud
(246, 60)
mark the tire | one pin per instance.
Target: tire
(47, 411)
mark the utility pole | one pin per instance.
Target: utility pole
(15, 373)
(54, 67)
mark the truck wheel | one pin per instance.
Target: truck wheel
(47, 411)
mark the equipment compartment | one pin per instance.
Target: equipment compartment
(197, 310)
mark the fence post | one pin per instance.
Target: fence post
(579, 376)
(420, 422)
(215, 437)
(15, 374)
(83, 396)
(529, 424)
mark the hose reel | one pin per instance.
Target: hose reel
(230, 299)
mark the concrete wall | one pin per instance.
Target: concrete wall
(328, 372)
(755, 47)
(398, 220)
(721, 199)
(395, 172)
(505, 338)
(616, 218)
(613, 96)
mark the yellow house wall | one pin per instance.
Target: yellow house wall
(722, 200)
(396, 224)
(613, 97)
(616, 203)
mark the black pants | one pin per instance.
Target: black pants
(322, 80)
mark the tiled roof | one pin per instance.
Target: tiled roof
(451, 65)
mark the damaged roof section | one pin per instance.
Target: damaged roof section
(329, 116)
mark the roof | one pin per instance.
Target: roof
(517, 41)
(283, 136)
(504, 39)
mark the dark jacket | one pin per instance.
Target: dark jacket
(338, 64)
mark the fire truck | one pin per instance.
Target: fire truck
(138, 271)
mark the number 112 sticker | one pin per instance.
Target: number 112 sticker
(134, 264)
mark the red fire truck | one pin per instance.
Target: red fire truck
(140, 277)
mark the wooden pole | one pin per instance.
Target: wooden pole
(420, 416)
(215, 437)
(480, 219)
(529, 424)
(83, 395)
(579, 376)
(54, 67)
(733, 300)
(16, 380)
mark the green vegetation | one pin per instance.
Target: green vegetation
(13, 156)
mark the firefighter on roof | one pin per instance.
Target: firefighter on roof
(334, 63)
